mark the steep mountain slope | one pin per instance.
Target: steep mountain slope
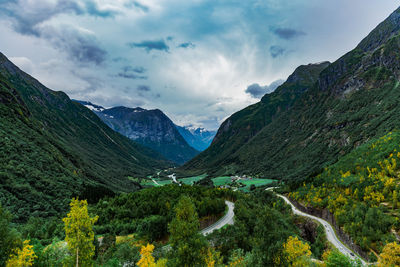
(151, 128)
(245, 124)
(52, 149)
(198, 138)
(353, 99)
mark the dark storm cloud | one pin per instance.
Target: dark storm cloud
(257, 91)
(149, 45)
(277, 51)
(287, 33)
(25, 18)
(79, 45)
(133, 73)
(82, 47)
(132, 76)
(186, 45)
(134, 69)
(143, 88)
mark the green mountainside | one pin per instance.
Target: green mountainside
(52, 149)
(352, 100)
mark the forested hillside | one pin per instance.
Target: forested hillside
(352, 100)
(52, 149)
(362, 191)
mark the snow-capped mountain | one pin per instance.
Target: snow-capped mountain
(198, 138)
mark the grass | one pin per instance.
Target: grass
(225, 180)
(161, 182)
(191, 180)
(218, 181)
(256, 182)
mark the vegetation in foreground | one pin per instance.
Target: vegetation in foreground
(362, 191)
(265, 233)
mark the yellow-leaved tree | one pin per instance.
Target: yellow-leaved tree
(147, 259)
(213, 258)
(297, 253)
(79, 233)
(22, 257)
(390, 255)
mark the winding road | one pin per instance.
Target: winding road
(227, 219)
(330, 233)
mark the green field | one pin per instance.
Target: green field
(225, 180)
(149, 181)
(191, 180)
(218, 181)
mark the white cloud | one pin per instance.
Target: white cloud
(23, 63)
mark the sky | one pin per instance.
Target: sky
(199, 61)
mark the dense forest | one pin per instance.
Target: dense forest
(160, 227)
(362, 191)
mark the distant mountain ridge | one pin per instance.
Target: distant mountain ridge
(197, 137)
(151, 128)
(52, 149)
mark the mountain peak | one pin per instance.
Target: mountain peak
(383, 32)
(305, 73)
(151, 128)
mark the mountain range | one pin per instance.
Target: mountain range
(52, 149)
(322, 112)
(197, 137)
(152, 128)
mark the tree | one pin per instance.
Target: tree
(79, 233)
(213, 258)
(271, 231)
(22, 257)
(9, 238)
(187, 244)
(147, 259)
(395, 200)
(297, 252)
(237, 259)
(334, 258)
(390, 255)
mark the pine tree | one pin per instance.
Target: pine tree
(79, 233)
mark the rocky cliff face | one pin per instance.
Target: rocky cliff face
(151, 128)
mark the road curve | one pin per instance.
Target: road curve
(227, 219)
(330, 233)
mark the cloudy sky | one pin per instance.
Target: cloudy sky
(197, 60)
